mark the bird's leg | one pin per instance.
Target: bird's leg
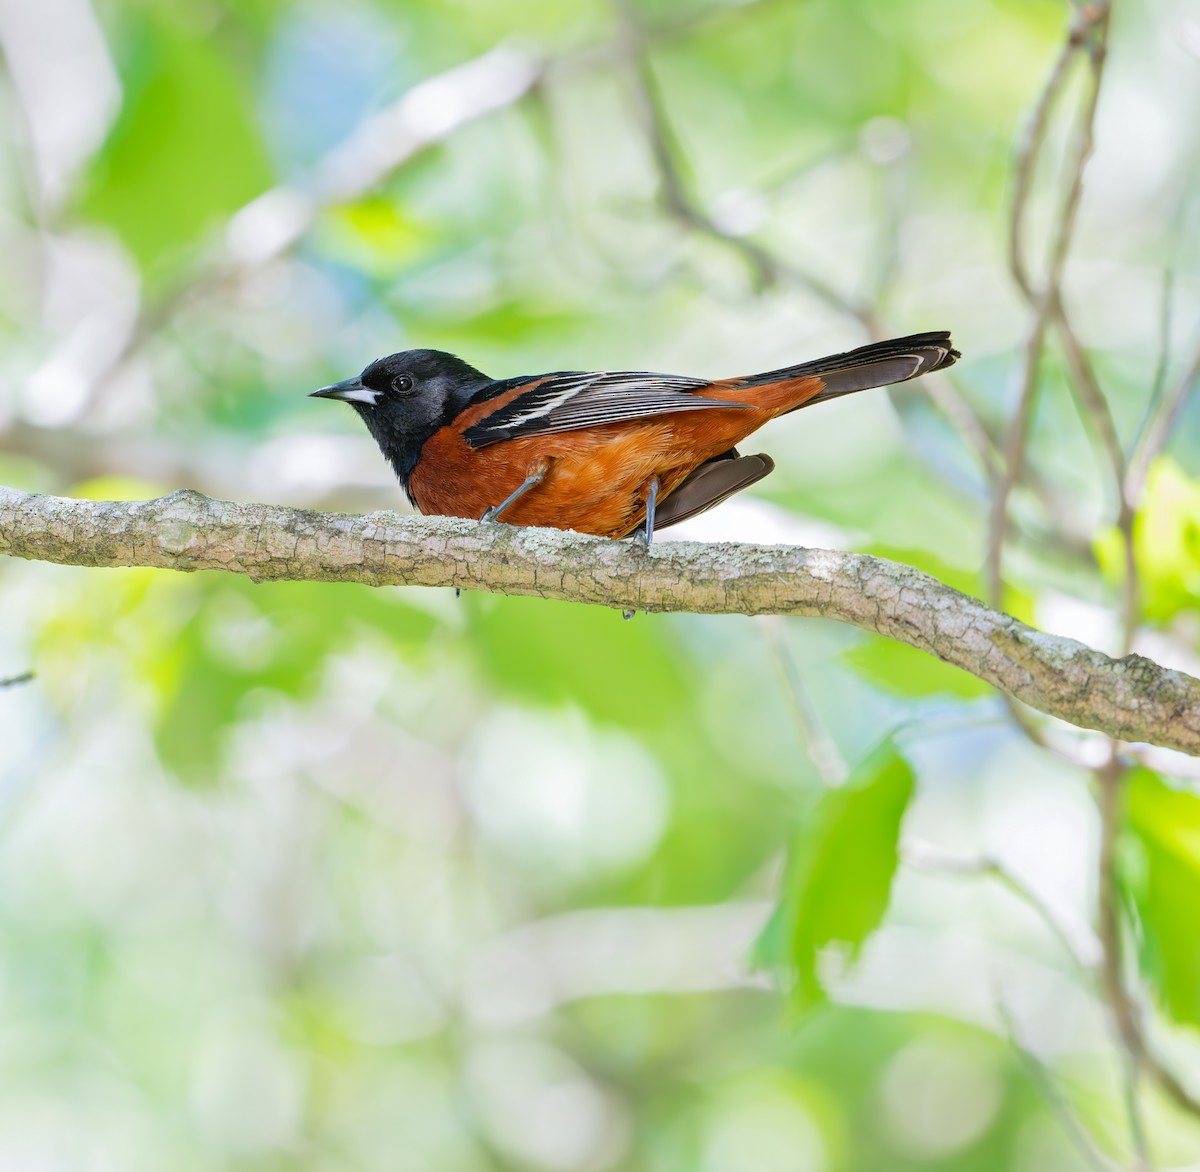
(535, 477)
(646, 533)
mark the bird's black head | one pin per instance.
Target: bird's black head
(404, 398)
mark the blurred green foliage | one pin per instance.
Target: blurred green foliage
(840, 871)
(1166, 544)
(185, 151)
(1162, 877)
(327, 877)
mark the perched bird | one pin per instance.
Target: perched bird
(606, 452)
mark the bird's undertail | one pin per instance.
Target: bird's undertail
(714, 481)
(878, 365)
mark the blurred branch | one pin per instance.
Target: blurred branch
(426, 114)
(1029, 147)
(1124, 1012)
(1159, 429)
(1083, 948)
(1166, 302)
(12, 681)
(767, 267)
(275, 222)
(1088, 31)
(822, 749)
(1075, 1129)
(1089, 954)
(1130, 698)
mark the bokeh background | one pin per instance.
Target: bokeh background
(325, 877)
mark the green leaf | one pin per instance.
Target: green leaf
(840, 872)
(1160, 873)
(185, 149)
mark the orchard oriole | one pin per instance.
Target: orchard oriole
(600, 452)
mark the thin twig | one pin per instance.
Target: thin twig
(1128, 1028)
(1158, 387)
(822, 750)
(1094, 409)
(1077, 942)
(1089, 28)
(1086, 387)
(1013, 455)
(13, 681)
(1098, 412)
(1060, 1107)
(766, 268)
(1029, 149)
(1160, 427)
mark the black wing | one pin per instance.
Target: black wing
(569, 401)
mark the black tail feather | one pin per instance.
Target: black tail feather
(879, 364)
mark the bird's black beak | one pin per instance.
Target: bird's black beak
(350, 390)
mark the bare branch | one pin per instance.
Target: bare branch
(1029, 148)
(1089, 29)
(767, 268)
(13, 681)
(1162, 368)
(1095, 410)
(1131, 698)
(945, 395)
(1160, 427)
(274, 222)
(1013, 458)
(822, 749)
(1078, 943)
(1058, 1103)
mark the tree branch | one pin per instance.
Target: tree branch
(1088, 31)
(1131, 698)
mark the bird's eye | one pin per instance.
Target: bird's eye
(402, 384)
